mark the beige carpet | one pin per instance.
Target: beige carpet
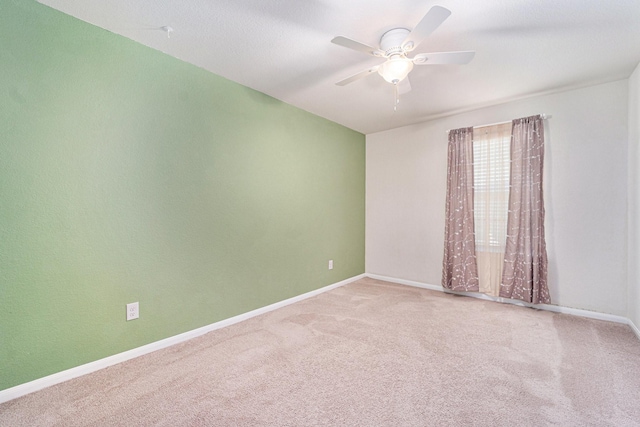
(368, 354)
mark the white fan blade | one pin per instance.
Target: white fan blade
(404, 86)
(458, 58)
(360, 47)
(432, 20)
(360, 75)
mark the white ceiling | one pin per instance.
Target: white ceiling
(283, 48)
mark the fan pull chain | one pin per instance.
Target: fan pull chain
(396, 100)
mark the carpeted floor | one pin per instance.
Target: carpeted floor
(370, 353)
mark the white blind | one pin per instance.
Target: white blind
(491, 166)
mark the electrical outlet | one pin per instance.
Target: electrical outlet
(330, 264)
(133, 311)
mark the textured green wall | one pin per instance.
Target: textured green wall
(128, 175)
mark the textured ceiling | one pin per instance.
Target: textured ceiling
(283, 48)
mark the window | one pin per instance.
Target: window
(491, 162)
(491, 167)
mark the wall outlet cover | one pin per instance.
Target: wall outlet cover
(133, 311)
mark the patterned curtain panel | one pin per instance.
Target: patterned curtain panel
(459, 268)
(524, 274)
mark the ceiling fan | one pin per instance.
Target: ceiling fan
(395, 44)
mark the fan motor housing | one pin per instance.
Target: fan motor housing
(391, 41)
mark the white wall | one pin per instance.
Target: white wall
(634, 198)
(585, 194)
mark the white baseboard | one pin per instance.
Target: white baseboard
(405, 282)
(547, 307)
(634, 328)
(59, 377)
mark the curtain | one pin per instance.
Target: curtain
(491, 160)
(524, 274)
(459, 269)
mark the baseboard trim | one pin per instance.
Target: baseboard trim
(547, 307)
(59, 377)
(634, 328)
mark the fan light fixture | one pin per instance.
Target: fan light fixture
(396, 69)
(395, 44)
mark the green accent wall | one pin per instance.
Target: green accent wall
(128, 175)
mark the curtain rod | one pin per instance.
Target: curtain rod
(544, 117)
